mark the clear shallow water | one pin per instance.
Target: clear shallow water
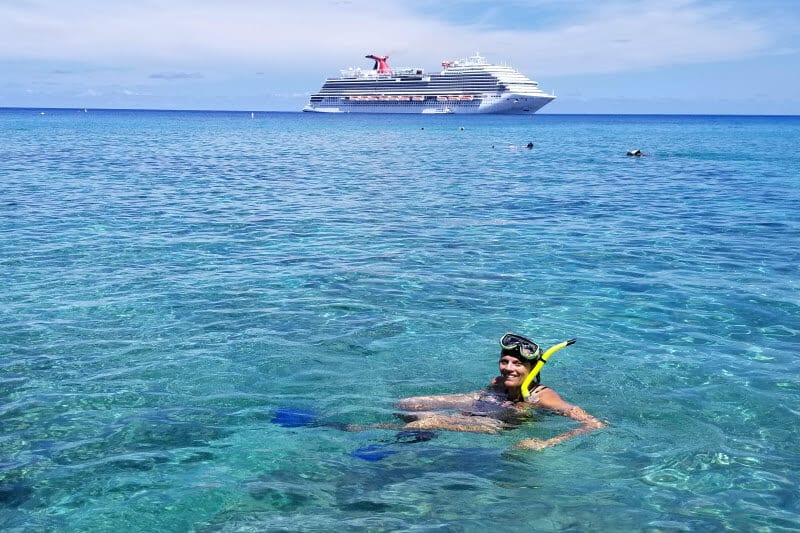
(170, 280)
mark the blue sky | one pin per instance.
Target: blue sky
(601, 56)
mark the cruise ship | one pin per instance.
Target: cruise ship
(471, 85)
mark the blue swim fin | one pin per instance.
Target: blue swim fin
(376, 452)
(293, 418)
(373, 452)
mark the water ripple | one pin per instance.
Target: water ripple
(171, 279)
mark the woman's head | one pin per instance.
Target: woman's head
(518, 355)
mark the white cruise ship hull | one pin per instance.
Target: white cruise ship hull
(508, 104)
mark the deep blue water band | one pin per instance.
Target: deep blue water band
(171, 279)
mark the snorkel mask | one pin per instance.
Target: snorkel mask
(523, 347)
(530, 351)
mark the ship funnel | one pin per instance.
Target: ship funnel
(380, 64)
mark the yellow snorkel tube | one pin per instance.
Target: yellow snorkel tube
(540, 363)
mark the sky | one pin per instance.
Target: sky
(597, 56)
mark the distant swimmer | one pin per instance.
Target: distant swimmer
(636, 153)
(529, 146)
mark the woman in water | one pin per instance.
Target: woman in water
(500, 406)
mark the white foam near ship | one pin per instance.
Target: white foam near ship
(471, 85)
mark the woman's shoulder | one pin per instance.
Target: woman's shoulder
(548, 398)
(545, 395)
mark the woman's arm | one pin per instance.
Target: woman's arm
(441, 401)
(549, 399)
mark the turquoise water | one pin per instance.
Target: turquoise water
(171, 279)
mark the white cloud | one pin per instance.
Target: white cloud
(321, 36)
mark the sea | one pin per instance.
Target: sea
(195, 305)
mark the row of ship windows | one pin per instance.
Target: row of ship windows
(482, 81)
(475, 83)
(404, 98)
(411, 97)
(434, 78)
(395, 100)
(447, 79)
(424, 89)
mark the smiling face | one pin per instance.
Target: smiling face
(513, 370)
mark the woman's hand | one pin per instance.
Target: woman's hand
(540, 444)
